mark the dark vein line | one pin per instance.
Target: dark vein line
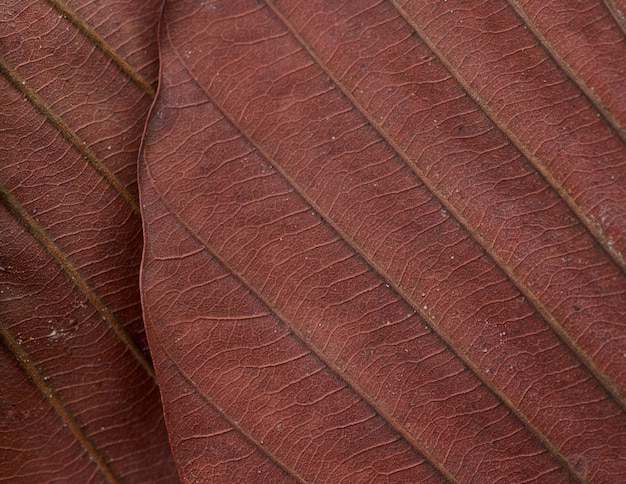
(569, 71)
(260, 295)
(306, 342)
(604, 380)
(132, 73)
(218, 408)
(446, 338)
(27, 220)
(55, 402)
(146, 308)
(596, 233)
(617, 14)
(70, 136)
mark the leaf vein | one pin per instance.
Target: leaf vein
(68, 134)
(537, 163)
(604, 380)
(57, 254)
(55, 402)
(132, 73)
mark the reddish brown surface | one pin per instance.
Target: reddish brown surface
(384, 242)
(83, 406)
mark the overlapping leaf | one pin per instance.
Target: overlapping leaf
(79, 402)
(384, 241)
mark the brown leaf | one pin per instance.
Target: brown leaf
(384, 241)
(79, 401)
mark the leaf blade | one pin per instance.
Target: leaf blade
(70, 255)
(274, 103)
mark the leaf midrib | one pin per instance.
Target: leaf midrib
(617, 15)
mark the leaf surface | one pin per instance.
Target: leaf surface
(384, 241)
(78, 397)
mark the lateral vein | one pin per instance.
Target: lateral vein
(537, 163)
(70, 135)
(132, 73)
(41, 383)
(27, 220)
